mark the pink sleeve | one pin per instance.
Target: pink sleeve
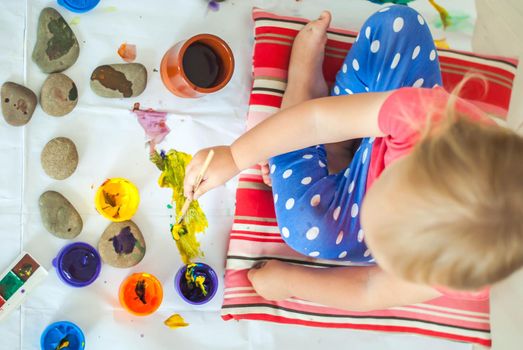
(403, 114)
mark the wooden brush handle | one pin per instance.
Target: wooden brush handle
(197, 183)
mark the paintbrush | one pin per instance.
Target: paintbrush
(197, 183)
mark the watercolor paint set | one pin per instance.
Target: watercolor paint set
(22, 276)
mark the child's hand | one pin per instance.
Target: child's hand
(221, 169)
(270, 281)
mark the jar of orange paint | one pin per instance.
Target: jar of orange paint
(197, 66)
(141, 294)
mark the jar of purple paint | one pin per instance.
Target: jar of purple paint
(78, 264)
(189, 291)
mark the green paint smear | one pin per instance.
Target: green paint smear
(62, 39)
(458, 22)
(73, 93)
(109, 9)
(75, 21)
(9, 285)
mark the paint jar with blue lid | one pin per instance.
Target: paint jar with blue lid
(62, 335)
(78, 264)
(78, 6)
(194, 293)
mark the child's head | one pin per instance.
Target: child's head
(451, 212)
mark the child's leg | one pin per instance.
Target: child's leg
(318, 214)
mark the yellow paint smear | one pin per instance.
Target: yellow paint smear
(175, 321)
(173, 164)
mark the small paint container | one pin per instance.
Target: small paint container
(189, 292)
(141, 294)
(185, 65)
(117, 199)
(78, 6)
(78, 264)
(59, 334)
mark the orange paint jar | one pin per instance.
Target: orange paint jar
(197, 66)
(141, 294)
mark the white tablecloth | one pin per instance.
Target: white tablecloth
(110, 143)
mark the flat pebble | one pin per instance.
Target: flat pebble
(59, 158)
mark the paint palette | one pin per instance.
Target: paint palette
(23, 275)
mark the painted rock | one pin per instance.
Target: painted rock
(119, 80)
(56, 47)
(59, 217)
(18, 103)
(59, 158)
(122, 244)
(59, 95)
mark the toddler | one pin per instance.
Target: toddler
(431, 200)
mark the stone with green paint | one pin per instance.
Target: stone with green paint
(119, 80)
(128, 249)
(59, 95)
(56, 47)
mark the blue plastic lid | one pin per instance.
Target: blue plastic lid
(78, 6)
(60, 331)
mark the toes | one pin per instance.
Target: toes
(324, 20)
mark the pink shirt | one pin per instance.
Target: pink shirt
(400, 115)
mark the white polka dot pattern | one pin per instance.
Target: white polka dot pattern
(416, 51)
(375, 46)
(287, 173)
(397, 25)
(339, 238)
(354, 210)
(315, 200)
(312, 233)
(355, 64)
(306, 180)
(285, 232)
(336, 213)
(289, 204)
(395, 61)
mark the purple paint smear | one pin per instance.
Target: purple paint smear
(153, 122)
(124, 242)
(214, 5)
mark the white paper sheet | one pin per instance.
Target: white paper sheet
(111, 144)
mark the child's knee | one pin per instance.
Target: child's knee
(396, 19)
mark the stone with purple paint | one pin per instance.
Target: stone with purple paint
(122, 244)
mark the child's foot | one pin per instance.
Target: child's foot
(305, 68)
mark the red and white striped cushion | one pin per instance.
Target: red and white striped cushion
(255, 234)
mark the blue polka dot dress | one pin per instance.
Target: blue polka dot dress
(319, 214)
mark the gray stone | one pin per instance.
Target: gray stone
(59, 217)
(122, 244)
(56, 47)
(59, 95)
(59, 158)
(119, 80)
(18, 103)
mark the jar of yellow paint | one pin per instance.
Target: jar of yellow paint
(117, 199)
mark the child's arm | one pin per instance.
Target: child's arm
(319, 121)
(349, 288)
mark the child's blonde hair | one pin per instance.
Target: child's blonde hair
(465, 206)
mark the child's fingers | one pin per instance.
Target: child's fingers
(203, 188)
(189, 181)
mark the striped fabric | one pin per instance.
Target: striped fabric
(255, 235)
